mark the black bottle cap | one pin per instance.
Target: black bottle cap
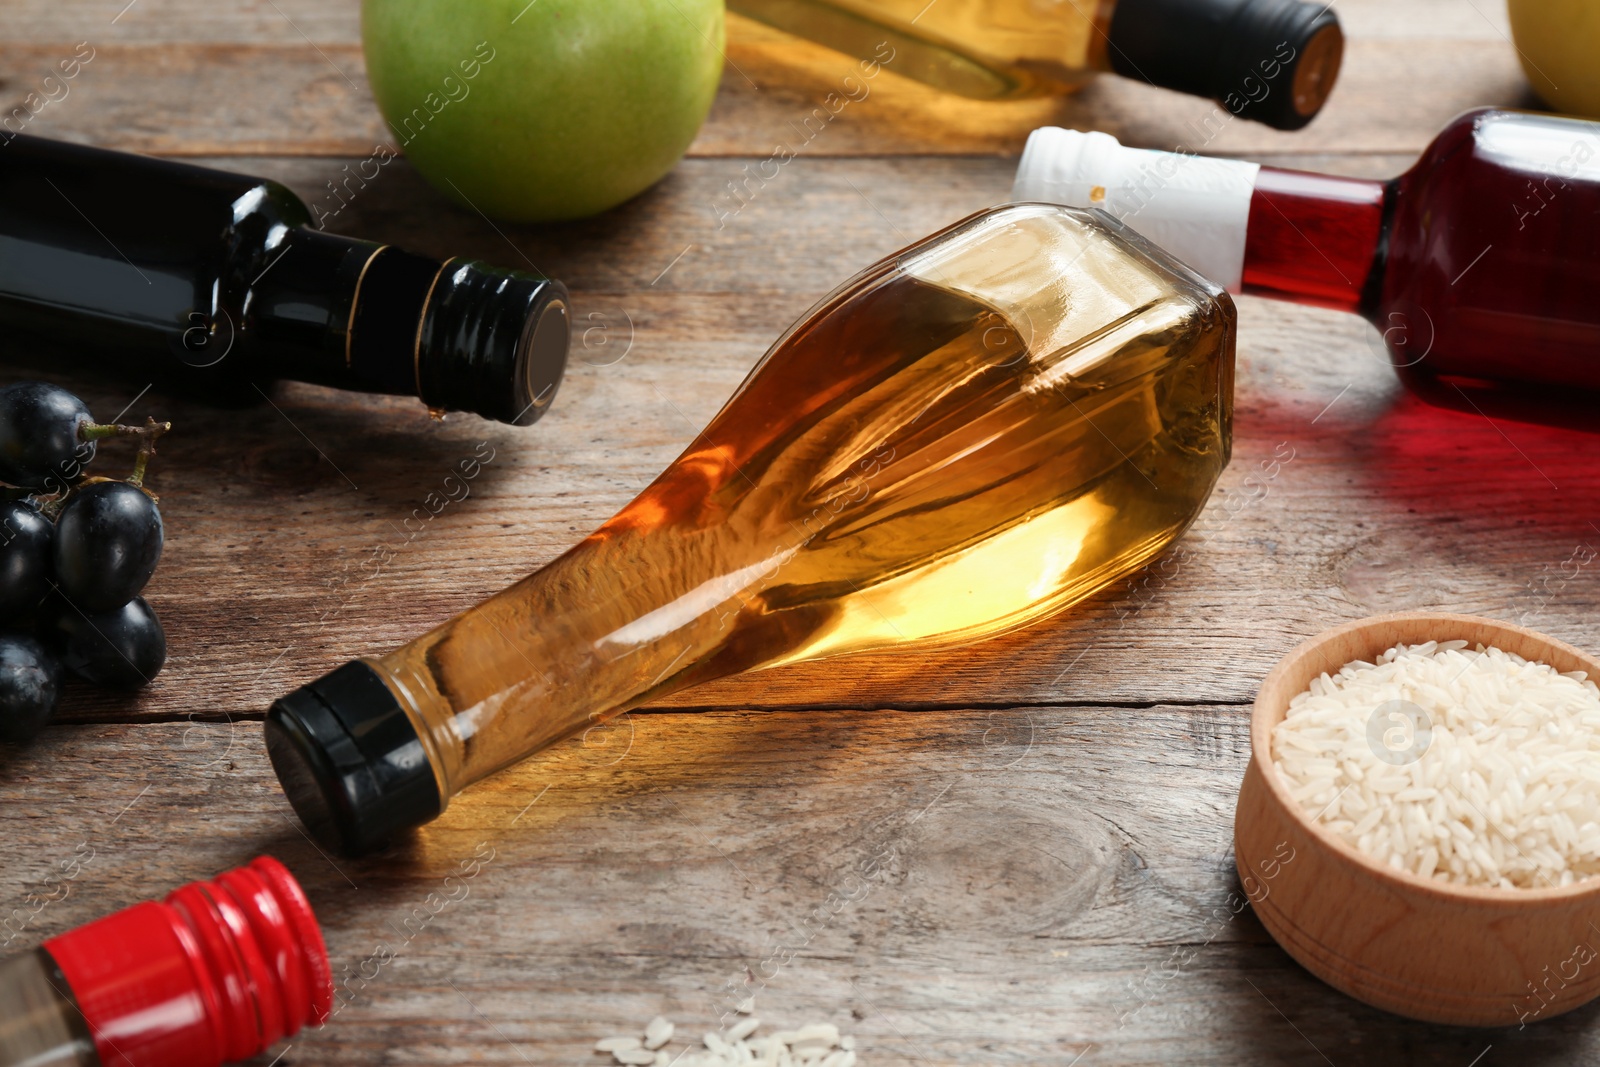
(1274, 61)
(493, 342)
(350, 762)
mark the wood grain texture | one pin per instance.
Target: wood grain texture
(1035, 900)
(1422, 948)
(1055, 806)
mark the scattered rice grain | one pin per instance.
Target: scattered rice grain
(816, 1045)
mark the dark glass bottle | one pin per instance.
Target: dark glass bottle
(1478, 264)
(213, 280)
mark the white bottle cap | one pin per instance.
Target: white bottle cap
(1196, 207)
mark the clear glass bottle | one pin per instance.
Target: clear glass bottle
(965, 438)
(1477, 265)
(1270, 60)
(219, 971)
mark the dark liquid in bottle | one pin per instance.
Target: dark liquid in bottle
(1494, 253)
(1480, 266)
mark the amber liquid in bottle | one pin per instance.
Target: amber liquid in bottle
(988, 49)
(960, 441)
(1270, 60)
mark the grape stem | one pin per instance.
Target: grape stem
(147, 435)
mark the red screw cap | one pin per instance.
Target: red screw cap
(219, 971)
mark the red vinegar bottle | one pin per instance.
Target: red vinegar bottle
(217, 972)
(1480, 265)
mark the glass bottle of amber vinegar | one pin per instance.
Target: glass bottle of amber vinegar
(1274, 61)
(967, 437)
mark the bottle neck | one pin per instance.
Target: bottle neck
(1290, 235)
(1315, 239)
(341, 312)
(217, 280)
(459, 334)
(295, 300)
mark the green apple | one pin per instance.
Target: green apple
(530, 110)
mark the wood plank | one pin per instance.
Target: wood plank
(323, 22)
(307, 99)
(163, 99)
(1388, 504)
(1424, 19)
(1034, 896)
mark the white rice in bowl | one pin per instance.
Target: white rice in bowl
(1495, 781)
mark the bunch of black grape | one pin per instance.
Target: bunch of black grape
(75, 552)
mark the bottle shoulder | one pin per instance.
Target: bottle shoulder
(268, 203)
(1486, 180)
(1490, 249)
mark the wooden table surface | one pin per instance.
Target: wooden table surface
(1046, 820)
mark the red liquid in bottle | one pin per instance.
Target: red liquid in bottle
(1480, 265)
(1494, 252)
(1313, 238)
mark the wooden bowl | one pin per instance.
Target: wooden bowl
(1418, 947)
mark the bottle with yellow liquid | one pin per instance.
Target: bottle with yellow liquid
(1274, 61)
(965, 438)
